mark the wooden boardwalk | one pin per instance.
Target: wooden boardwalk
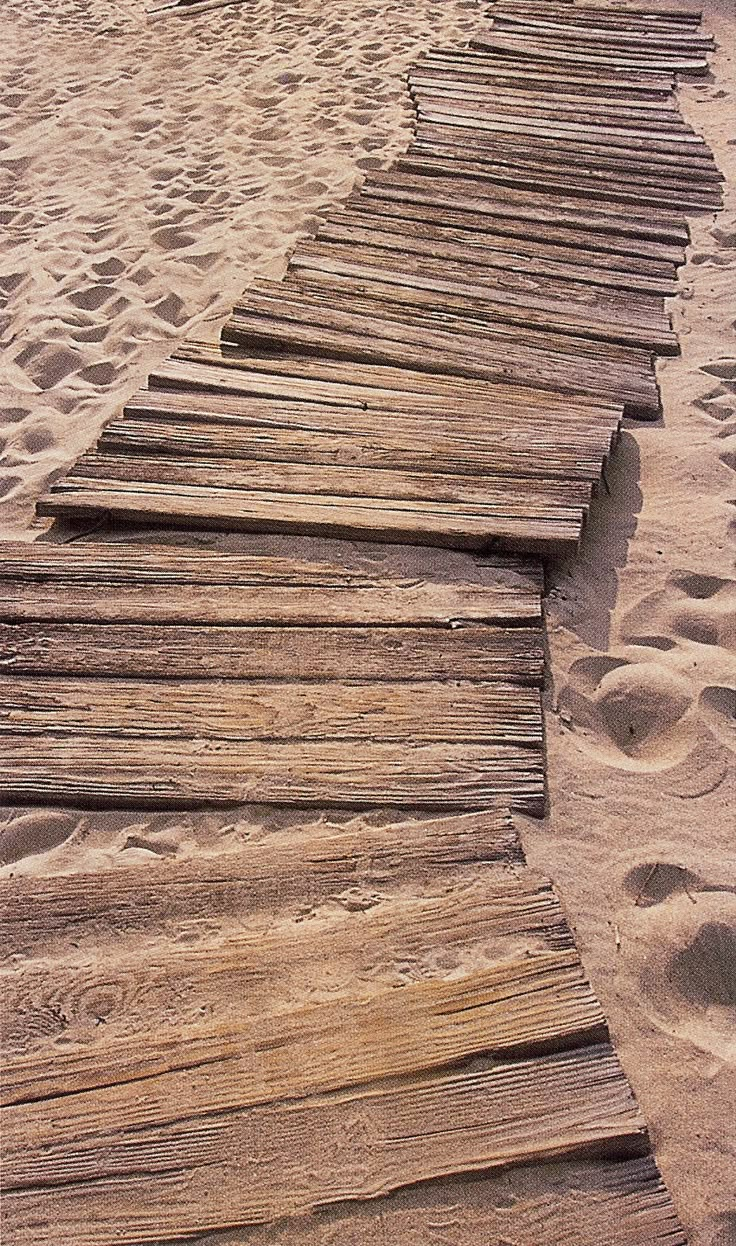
(370, 1023)
(301, 1071)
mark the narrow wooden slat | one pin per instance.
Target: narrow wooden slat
(578, 53)
(633, 82)
(473, 651)
(257, 710)
(660, 42)
(139, 584)
(107, 770)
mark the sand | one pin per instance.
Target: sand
(152, 169)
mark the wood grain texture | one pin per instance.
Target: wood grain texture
(476, 651)
(139, 584)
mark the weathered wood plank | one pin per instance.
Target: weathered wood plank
(550, 304)
(427, 1127)
(578, 1203)
(580, 53)
(472, 651)
(256, 710)
(571, 449)
(98, 771)
(305, 864)
(660, 42)
(586, 185)
(533, 257)
(163, 584)
(473, 223)
(466, 525)
(487, 245)
(457, 193)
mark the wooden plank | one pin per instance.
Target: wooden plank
(473, 223)
(660, 42)
(473, 651)
(418, 711)
(198, 368)
(633, 82)
(446, 523)
(472, 86)
(496, 252)
(607, 16)
(512, 497)
(443, 159)
(105, 771)
(524, 205)
(548, 445)
(656, 133)
(584, 54)
(216, 991)
(565, 1105)
(481, 295)
(590, 371)
(140, 584)
(583, 185)
(578, 1203)
(687, 176)
(640, 141)
(306, 863)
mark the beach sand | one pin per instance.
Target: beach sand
(153, 169)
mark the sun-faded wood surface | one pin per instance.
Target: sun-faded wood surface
(104, 721)
(352, 1018)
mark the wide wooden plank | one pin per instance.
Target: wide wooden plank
(305, 863)
(419, 711)
(451, 524)
(646, 134)
(566, 1104)
(471, 652)
(163, 584)
(98, 771)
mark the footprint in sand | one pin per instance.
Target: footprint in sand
(688, 942)
(631, 715)
(33, 833)
(690, 607)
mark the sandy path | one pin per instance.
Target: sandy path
(152, 169)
